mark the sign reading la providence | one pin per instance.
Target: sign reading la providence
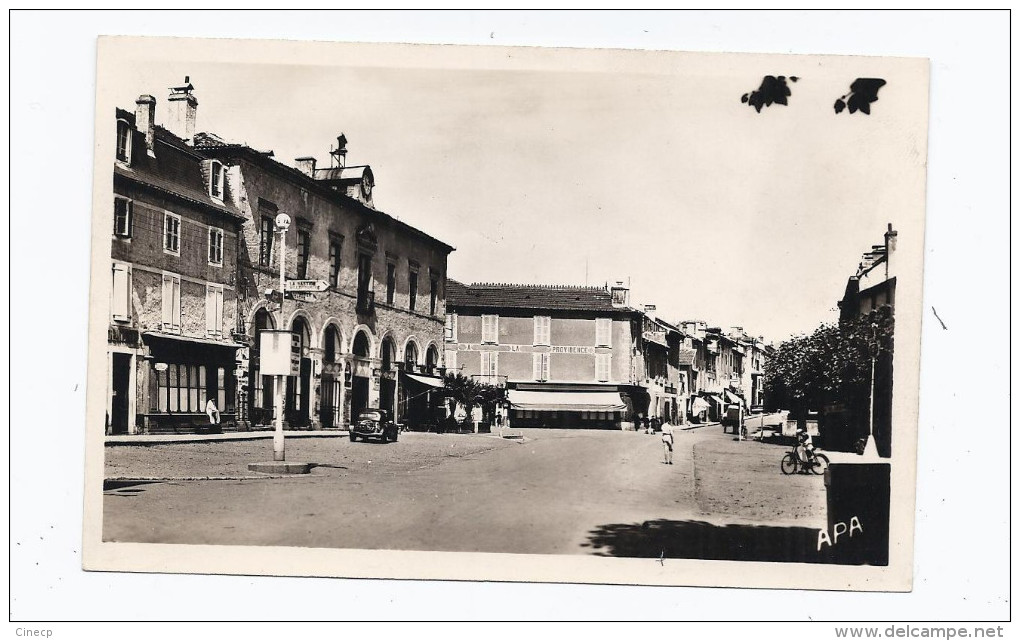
(306, 285)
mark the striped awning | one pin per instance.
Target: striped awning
(566, 401)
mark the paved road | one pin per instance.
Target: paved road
(562, 492)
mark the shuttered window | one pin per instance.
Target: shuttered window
(171, 233)
(540, 366)
(490, 329)
(542, 325)
(171, 302)
(121, 302)
(451, 328)
(490, 363)
(603, 365)
(214, 310)
(122, 217)
(215, 246)
(603, 332)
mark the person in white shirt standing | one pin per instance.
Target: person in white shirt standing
(213, 412)
(667, 442)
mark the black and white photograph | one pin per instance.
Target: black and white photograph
(617, 305)
(403, 315)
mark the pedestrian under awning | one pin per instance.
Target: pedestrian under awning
(565, 401)
(430, 381)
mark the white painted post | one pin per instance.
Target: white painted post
(279, 452)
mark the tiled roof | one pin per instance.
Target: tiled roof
(175, 187)
(551, 297)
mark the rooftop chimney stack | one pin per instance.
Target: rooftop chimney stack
(650, 311)
(890, 249)
(306, 165)
(183, 108)
(620, 294)
(145, 120)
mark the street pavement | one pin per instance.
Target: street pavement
(558, 492)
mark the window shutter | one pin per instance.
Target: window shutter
(168, 299)
(545, 367)
(121, 302)
(219, 311)
(210, 310)
(177, 302)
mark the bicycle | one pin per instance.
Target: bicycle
(817, 463)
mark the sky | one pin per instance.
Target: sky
(575, 167)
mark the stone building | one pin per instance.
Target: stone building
(173, 313)
(569, 356)
(372, 335)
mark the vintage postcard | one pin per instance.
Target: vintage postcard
(505, 314)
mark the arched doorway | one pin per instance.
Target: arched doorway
(361, 348)
(411, 357)
(332, 405)
(388, 381)
(297, 410)
(261, 398)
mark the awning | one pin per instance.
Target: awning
(192, 339)
(566, 401)
(734, 398)
(699, 405)
(717, 399)
(430, 381)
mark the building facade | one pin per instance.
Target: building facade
(569, 356)
(173, 318)
(196, 269)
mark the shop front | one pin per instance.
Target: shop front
(560, 408)
(421, 400)
(183, 374)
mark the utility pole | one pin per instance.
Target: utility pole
(282, 224)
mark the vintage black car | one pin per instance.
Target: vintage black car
(374, 423)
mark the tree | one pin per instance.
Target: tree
(832, 366)
(469, 392)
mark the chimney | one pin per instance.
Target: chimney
(145, 120)
(620, 294)
(650, 311)
(306, 165)
(890, 249)
(183, 106)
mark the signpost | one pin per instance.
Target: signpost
(308, 286)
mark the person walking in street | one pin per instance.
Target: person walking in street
(667, 442)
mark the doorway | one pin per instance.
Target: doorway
(120, 407)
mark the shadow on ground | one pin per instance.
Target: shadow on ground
(124, 487)
(701, 540)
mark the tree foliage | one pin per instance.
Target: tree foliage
(469, 392)
(832, 365)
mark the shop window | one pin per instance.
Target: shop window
(215, 246)
(490, 329)
(603, 332)
(122, 222)
(542, 331)
(123, 141)
(171, 302)
(121, 301)
(186, 388)
(214, 310)
(172, 234)
(540, 366)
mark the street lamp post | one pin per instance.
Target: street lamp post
(870, 449)
(282, 224)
